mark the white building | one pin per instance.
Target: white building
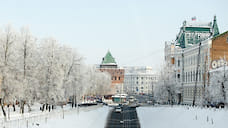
(139, 80)
(182, 58)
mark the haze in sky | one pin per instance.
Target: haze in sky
(133, 30)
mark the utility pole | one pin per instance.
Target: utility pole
(224, 80)
(182, 83)
(204, 82)
(197, 71)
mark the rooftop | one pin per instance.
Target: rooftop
(108, 59)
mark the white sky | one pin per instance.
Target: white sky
(133, 30)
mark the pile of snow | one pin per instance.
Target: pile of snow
(182, 117)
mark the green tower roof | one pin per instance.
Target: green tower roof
(108, 59)
(215, 28)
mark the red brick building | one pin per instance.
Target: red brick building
(109, 65)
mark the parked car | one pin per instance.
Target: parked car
(216, 104)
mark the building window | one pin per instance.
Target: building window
(193, 76)
(226, 39)
(178, 76)
(115, 77)
(119, 78)
(178, 63)
(172, 60)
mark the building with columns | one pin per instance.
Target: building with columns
(139, 80)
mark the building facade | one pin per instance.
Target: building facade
(198, 49)
(139, 80)
(109, 65)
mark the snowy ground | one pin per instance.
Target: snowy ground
(95, 117)
(84, 117)
(87, 118)
(182, 117)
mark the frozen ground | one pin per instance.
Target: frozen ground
(84, 117)
(182, 117)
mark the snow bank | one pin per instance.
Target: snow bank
(84, 117)
(88, 117)
(182, 117)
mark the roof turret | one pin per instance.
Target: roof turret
(108, 59)
(215, 30)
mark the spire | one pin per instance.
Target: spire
(215, 30)
(108, 59)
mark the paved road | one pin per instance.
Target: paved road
(126, 119)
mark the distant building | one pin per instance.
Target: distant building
(182, 57)
(139, 80)
(109, 65)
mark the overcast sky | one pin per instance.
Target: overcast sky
(133, 30)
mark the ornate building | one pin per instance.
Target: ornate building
(109, 65)
(196, 50)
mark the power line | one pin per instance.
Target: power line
(143, 57)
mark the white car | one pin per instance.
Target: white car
(118, 109)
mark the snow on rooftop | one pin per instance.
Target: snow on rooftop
(198, 24)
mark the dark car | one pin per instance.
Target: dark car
(216, 104)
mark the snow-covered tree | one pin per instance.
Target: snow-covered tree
(165, 89)
(218, 87)
(26, 64)
(50, 72)
(9, 75)
(42, 70)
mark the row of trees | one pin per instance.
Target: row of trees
(44, 71)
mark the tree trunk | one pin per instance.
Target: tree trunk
(62, 110)
(223, 92)
(49, 108)
(75, 101)
(43, 107)
(29, 108)
(14, 109)
(72, 103)
(46, 106)
(22, 106)
(3, 111)
(8, 112)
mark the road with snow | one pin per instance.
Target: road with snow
(127, 118)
